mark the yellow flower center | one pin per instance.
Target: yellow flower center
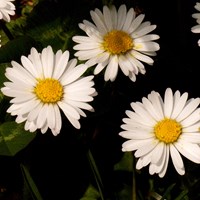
(49, 90)
(167, 130)
(117, 42)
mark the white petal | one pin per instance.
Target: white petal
(168, 103)
(146, 148)
(188, 109)
(61, 64)
(179, 104)
(190, 151)
(177, 160)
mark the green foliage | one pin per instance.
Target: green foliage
(30, 188)
(23, 45)
(91, 194)
(126, 162)
(13, 138)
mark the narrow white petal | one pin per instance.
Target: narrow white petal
(168, 103)
(163, 170)
(157, 103)
(136, 135)
(136, 23)
(140, 110)
(143, 31)
(188, 109)
(121, 16)
(129, 19)
(151, 109)
(69, 110)
(28, 65)
(61, 65)
(190, 151)
(157, 153)
(42, 117)
(74, 74)
(98, 22)
(58, 122)
(112, 69)
(36, 60)
(51, 121)
(191, 119)
(179, 105)
(47, 57)
(177, 160)
(146, 148)
(107, 18)
(132, 145)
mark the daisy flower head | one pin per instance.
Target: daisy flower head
(7, 8)
(117, 39)
(44, 84)
(158, 129)
(196, 28)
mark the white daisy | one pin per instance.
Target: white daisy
(117, 39)
(44, 83)
(7, 8)
(158, 129)
(196, 28)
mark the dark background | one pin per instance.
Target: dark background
(59, 165)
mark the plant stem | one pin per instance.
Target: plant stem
(96, 173)
(6, 30)
(134, 197)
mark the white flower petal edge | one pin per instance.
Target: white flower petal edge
(117, 39)
(196, 28)
(158, 129)
(44, 84)
(7, 9)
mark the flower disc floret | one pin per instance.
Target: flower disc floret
(117, 42)
(49, 90)
(167, 130)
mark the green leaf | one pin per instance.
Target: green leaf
(125, 193)
(13, 138)
(14, 49)
(126, 163)
(96, 173)
(91, 194)
(30, 188)
(168, 191)
(3, 78)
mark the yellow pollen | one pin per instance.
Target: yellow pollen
(117, 42)
(167, 130)
(49, 90)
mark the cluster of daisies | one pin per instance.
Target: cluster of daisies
(46, 83)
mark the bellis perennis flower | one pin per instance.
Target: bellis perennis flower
(117, 39)
(196, 28)
(158, 129)
(44, 83)
(7, 8)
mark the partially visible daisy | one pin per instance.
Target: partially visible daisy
(45, 83)
(161, 128)
(117, 39)
(7, 8)
(196, 28)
